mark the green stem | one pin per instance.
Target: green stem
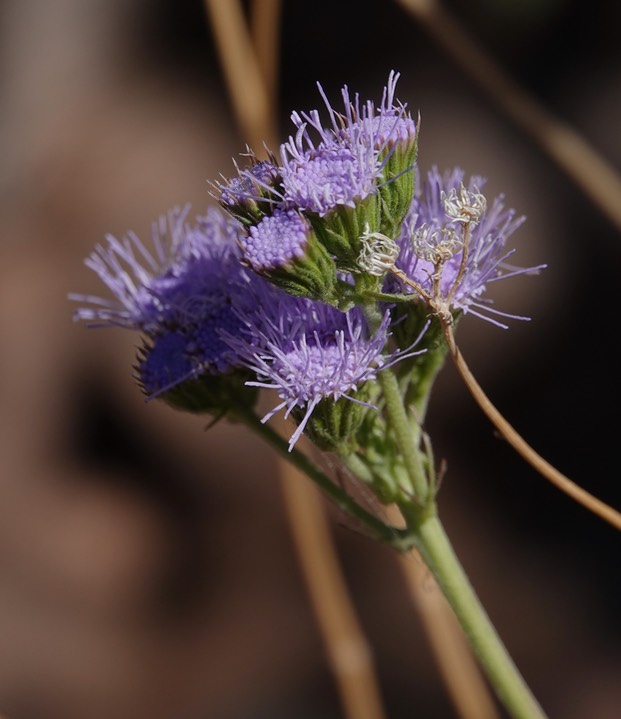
(437, 552)
(400, 539)
(399, 422)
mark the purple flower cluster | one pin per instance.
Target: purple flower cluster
(249, 292)
(326, 171)
(203, 312)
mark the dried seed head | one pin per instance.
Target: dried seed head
(436, 244)
(378, 253)
(464, 206)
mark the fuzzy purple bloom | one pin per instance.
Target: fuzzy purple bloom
(308, 351)
(276, 240)
(320, 179)
(384, 127)
(250, 184)
(180, 298)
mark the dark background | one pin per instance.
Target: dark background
(146, 569)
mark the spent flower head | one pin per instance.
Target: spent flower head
(378, 253)
(432, 243)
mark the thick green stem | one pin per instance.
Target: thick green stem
(437, 552)
(398, 538)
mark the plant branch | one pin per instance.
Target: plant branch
(559, 480)
(438, 554)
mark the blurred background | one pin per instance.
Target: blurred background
(146, 566)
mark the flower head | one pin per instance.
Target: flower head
(179, 296)
(284, 248)
(321, 179)
(165, 363)
(308, 352)
(432, 239)
(276, 241)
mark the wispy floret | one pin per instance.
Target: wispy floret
(129, 270)
(309, 352)
(390, 124)
(432, 244)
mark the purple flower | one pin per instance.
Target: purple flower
(320, 179)
(181, 298)
(155, 288)
(276, 240)
(309, 351)
(429, 234)
(253, 193)
(389, 125)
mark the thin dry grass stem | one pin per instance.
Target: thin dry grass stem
(466, 686)
(348, 652)
(559, 480)
(265, 30)
(242, 74)
(589, 170)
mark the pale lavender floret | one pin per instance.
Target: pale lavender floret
(276, 240)
(487, 254)
(387, 125)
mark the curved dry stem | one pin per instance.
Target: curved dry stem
(559, 480)
(467, 689)
(589, 170)
(241, 70)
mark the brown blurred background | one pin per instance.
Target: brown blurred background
(146, 568)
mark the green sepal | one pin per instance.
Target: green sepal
(340, 230)
(397, 189)
(378, 451)
(313, 275)
(217, 395)
(333, 424)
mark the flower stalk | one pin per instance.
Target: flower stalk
(437, 552)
